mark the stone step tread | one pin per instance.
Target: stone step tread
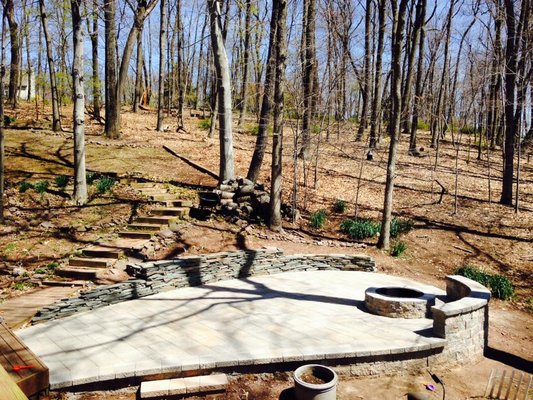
(91, 262)
(177, 211)
(138, 185)
(153, 191)
(138, 226)
(164, 197)
(102, 252)
(179, 203)
(49, 282)
(136, 234)
(159, 220)
(78, 272)
(180, 386)
(131, 243)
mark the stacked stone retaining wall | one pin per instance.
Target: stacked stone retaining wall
(154, 277)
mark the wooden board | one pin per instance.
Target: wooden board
(12, 353)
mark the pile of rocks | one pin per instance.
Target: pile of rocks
(242, 198)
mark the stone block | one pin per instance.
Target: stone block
(154, 389)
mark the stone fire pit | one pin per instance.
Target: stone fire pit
(399, 302)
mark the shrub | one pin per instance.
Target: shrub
(339, 206)
(90, 177)
(61, 181)
(104, 184)
(500, 286)
(360, 228)
(204, 123)
(41, 271)
(25, 186)
(41, 187)
(398, 249)
(422, 125)
(318, 219)
(8, 120)
(52, 266)
(398, 226)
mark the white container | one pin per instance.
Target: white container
(310, 391)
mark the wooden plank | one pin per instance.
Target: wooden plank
(9, 389)
(14, 353)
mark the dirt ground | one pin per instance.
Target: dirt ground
(43, 229)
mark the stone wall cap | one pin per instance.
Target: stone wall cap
(458, 307)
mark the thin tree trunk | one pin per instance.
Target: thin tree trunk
(266, 105)
(137, 98)
(80, 183)
(277, 138)
(97, 104)
(376, 103)
(2, 138)
(398, 14)
(162, 53)
(112, 123)
(224, 93)
(367, 84)
(246, 60)
(14, 70)
(56, 121)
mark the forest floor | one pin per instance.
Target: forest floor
(45, 228)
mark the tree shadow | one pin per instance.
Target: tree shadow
(509, 359)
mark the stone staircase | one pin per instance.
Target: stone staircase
(96, 259)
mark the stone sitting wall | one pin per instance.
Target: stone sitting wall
(153, 277)
(463, 322)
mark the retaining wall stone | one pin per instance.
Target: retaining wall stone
(154, 277)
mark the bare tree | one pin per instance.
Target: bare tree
(2, 138)
(14, 69)
(224, 92)
(367, 84)
(376, 101)
(162, 53)
(245, 59)
(80, 183)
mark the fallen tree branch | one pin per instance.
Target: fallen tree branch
(191, 163)
(463, 249)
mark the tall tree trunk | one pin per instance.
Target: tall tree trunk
(224, 92)
(419, 89)
(2, 139)
(367, 84)
(162, 53)
(376, 101)
(112, 123)
(266, 105)
(309, 66)
(14, 70)
(138, 74)
(277, 138)
(245, 60)
(398, 16)
(97, 104)
(29, 70)
(56, 119)
(80, 183)
(181, 67)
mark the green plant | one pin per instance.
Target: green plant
(501, 287)
(52, 266)
(91, 177)
(41, 271)
(398, 249)
(41, 187)
(104, 184)
(529, 305)
(422, 125)
(398, 226)
(10, 248)
(318, 219)
(19, 286)
(339, 206)
(25, 186)
(204, 123)
(8, 120)
(61, 181)
(360, 228)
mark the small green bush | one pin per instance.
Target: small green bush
(360, 228)
(104, 184)
(25, 186)
(398, 249)
(399, 226)
(339, 206)
(8, 120)
(52, 266)
(318, 219)
(19, 286)
(41, 271)
(41, 187)
(422, 125)
(204, 123)
(91, 177)
(500, 286)
(61, 181)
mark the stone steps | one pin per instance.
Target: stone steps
(137, 234)
(171, 211)
(168, 388)
(84, 273)
(163, 197)
(179, 203)
(160, 220)
(144, 227)
(91, 262)
(102, 252)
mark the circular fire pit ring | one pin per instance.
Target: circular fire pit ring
(399, 302)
